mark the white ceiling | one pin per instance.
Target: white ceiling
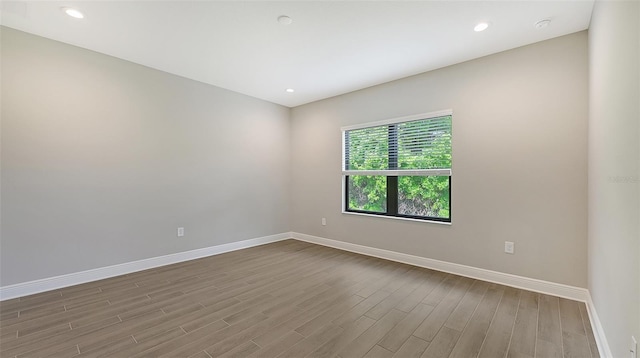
(331, 48)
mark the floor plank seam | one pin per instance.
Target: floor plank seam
(561, 332)
(468, 321)
(535, 343)
(490, 323)
(513, 327)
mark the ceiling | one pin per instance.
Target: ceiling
(330, 48)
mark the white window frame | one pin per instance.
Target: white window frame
(410, 172)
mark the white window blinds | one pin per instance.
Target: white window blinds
(417, 146)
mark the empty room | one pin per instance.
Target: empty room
(320, 179)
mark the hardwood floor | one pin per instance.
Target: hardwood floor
(293, 299)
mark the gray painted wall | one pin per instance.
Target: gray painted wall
(614, 170)
(519, 162)
(103, 159)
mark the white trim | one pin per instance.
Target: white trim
(413, 117)
(401, 172)
(598, 331)
(398, 218)
(531, 284)
(56, 282)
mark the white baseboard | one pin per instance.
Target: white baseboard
(531, 284)
(52, 283)
(598, 331)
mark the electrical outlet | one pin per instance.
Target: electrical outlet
(180, 232)
(634, 347)
(324, 221)
(509, 247)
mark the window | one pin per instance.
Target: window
(400, 167)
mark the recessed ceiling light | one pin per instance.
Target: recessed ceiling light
(542, 24)
(285, 20)
(290, 90)
(73, 12)
(481, 26)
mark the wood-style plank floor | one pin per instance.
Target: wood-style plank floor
(293, 299)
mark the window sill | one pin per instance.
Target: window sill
(398, 218)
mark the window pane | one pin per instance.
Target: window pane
(425, 144)
(424, 196)
(367, 149)
(368, 193)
